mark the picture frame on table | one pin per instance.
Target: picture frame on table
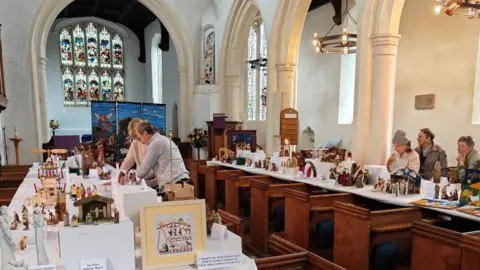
(235, 137)
(172, 233)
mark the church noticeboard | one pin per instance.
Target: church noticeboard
(289, 126)
(425, 102)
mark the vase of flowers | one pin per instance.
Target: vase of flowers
(198, 139)
(54, 125)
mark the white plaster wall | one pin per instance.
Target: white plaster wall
(77, 120)
(171, 80)
(320, 80)
(17, 20)
(436, 55)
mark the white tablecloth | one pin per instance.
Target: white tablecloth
(29, 254)
(366, 191)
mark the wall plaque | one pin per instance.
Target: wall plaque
(289, 126)
(425, 102)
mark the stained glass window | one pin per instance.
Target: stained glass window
(257, 73)
(209, 57)
(92, 60)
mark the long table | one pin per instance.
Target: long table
(29, 254)
(367, 191)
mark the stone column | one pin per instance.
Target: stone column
(382, 97)
(286, 85)
(185, 117)
(233, 98)
(42, 106)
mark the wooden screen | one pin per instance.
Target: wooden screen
(289, 126)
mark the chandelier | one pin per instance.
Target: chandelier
(344, 43)
(468, 8)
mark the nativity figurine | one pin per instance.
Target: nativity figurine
(74, 221)
(15, 222)
(25, 221)
(7, 247)
(38, 224)
(66, 219)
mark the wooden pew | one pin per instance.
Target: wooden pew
(289, 256)
(197, 179)
(265, 196)
(214, 174)
(357, 229)
(6, 195)
(304, 210)
(470, 245)
(233, 183)
(453, 244)
(233, 223)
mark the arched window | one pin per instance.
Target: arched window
(257, 72)
(91, 58)
(209, 56)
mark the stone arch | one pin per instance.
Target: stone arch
(232, 66)
(45, 18)
(283, 49)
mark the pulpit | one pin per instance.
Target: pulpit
(216, 139)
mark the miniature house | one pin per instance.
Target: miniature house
(98, 206)
(50, 189)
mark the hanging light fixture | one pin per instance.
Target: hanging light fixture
(344, 43)
(468, 8)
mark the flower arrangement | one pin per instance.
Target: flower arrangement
(198, 137)
(54, 125)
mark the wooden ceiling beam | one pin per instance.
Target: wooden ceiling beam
(127, 8)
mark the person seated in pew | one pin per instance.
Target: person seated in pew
(468, 156)
(135, 155)
(404, 154)
(162, 156)
(430, 153)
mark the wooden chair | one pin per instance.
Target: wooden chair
(359, 229)
(213, 175)
(303, 211)
(197, 178)
(450, 244)
(265, 196)
(233, 223)
(233, 184)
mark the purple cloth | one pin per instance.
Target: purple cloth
(66, 141)
(219, 122)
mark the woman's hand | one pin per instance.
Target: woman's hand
(460, 159)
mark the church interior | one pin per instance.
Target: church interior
(326, 134)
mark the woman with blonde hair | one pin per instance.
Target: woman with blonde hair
(135, 154)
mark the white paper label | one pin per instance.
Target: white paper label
(474, 198)
(97, 264)
(215, 260)
(43, 267)
(290, 115)
(219, 231)
(429, 190)
(331, 182)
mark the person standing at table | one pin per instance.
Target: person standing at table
(430, 153)
(135, 154)
(404, 154)
(468, 156)
(162, 156)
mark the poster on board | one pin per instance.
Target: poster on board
(126, 112)
(104, 128)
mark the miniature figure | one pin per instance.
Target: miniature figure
(15, 222)
(73, 192)
(74, 222)
(88, 219)
(79, 193)
(8, 261)
(437, 191)
(52, 220)
(82, 191)
(23, 243)
(38, 224)
(66, 219)
(88, 192)
(117, 217)
(25, 218)
(58, 212)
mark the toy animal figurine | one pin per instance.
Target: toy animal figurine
(25, 218)
(74, 221)
(23, 243)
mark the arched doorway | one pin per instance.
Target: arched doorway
(44, 21)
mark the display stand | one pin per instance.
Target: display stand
(16, 142)
(129, 199)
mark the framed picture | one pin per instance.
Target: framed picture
(425, 102)
(172, 233)
(235, 137)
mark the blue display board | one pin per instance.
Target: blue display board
(126, 112)
(155, 114)
(104, 127)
